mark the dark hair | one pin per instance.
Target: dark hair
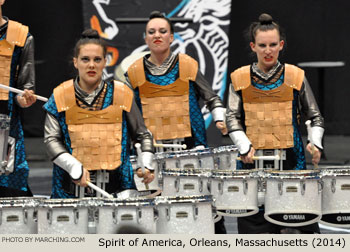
(158, 14)
(89, 36)
(265, 23)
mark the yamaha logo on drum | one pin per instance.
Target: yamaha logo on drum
(294, 217)
(343, 218)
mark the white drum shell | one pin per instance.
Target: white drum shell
(225, 157)
(184, 183)
(185, 218)
(292, 203)
(189, 159)
(235, 195)
(113, 218)
(18, 217)
(336, 197)
(65, 216)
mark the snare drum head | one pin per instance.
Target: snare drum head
(139, 201)
(335, 170)
(185, 172)
(234, 173)
(299, 174)
(20, 201)
(183, 199)
(64, 202)
(225, 149)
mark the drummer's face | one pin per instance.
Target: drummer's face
(158, 35)
(2, 2)
(90, 64)
(267, 47)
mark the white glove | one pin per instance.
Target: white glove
(219, 114)
(146, 158)
(70, 164)
(199, 147)
(240, 139)
(315, 136)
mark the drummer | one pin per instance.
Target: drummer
(167, 88)
(263, 112)
(17, 56)
(88, 123)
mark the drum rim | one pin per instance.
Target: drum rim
(186, 172)
(293, 174)
(59, 203)
(218, 173)
(165, 200)
(137, 201)
(9, 202)
(223, 149)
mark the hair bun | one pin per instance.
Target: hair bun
(90, 33)
(265, 19)
(156, 14)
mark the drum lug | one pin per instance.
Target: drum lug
(35, 215)
(96, 215)
(0, 215)
(76, 215)
(333, 182)
(115, 216)
(177, 184)
(195, 212)
(280, 187)
(302, 187)
(245, 186)
(200, 185)
(209, 185)
(177, 164)
(228, 159)
(167, 211)
(25, 215)
(49, 216)
(217, 162)
(320, 186)
(221, 187)
(200, 162)
(155, 214)
(138, 214)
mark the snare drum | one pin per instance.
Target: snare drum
(225, 157)
(185, 215)
(141, 187)
(293, 198)
(235, 192)
(18, 215)
(63, 216)
(187, 159)
(185, 182)
(336, 196)
(112, 216)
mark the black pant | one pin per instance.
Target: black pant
(6, 192)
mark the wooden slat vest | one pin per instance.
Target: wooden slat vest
(166, 108)
(95, 135)
(16, 36)
(268, 114)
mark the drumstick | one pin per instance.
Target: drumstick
(183, 146)
(97, 189)
(308, 127)
(138, 149)
(18, 91)
(276, 157)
